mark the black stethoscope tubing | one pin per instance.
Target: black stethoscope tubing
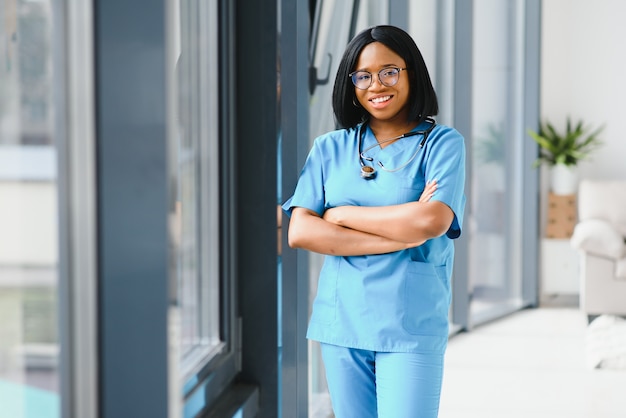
(368, 172)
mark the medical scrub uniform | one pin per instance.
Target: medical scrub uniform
(384, 303)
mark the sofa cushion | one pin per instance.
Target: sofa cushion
(603, 199)
(598, 237)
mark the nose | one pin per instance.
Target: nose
(376, 80)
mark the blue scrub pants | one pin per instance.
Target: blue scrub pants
(369, 384)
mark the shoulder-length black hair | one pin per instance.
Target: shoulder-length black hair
(422, 98)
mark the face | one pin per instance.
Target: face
(384, 104)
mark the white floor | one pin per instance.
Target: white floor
(529, 364)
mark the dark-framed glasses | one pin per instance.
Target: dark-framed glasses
(387, 76)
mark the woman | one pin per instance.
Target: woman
(382, 198)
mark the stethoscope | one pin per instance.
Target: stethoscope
(368, 172)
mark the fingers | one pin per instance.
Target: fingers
(429, 191)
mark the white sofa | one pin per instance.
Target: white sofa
(600, 237)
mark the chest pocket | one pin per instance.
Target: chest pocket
(409, 194)
(404, 185)
(401, 189)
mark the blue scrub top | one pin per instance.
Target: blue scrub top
(396, 302)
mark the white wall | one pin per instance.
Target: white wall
(583, 74)
(28, 209)
(28, 224)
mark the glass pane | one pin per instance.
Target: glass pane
(187, 204)
(495, 248)
(29, 335)
(196, 205)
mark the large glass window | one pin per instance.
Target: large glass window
(29, 335)
(495, 204)
(197, 183)
(201, 293)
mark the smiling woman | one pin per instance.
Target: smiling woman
(381, 310)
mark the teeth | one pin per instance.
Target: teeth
(381, 99)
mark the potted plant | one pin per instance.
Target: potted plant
(563, 152)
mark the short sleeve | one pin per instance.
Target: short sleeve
(309, 192)
(446, 164)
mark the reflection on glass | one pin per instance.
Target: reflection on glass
(197, 198)
(29, 341)
(188, 262)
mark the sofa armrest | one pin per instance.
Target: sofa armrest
(598, 237)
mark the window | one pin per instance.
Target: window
(200, 282)
(197, 183)
(495, 225)
(29, 335)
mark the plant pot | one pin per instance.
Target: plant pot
(563, 179)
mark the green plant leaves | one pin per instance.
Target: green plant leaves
(568, 148)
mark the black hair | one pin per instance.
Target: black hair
(422, 98)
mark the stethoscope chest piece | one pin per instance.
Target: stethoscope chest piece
(368, 172)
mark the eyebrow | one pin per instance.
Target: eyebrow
(382, 67)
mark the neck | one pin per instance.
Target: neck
(386, 133)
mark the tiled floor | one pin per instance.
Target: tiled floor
(530, 364)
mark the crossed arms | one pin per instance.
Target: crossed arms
(361, 230)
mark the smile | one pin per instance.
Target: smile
(380, 99)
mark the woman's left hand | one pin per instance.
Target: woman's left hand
(429, 190)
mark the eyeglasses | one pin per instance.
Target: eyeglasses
(388, 77)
